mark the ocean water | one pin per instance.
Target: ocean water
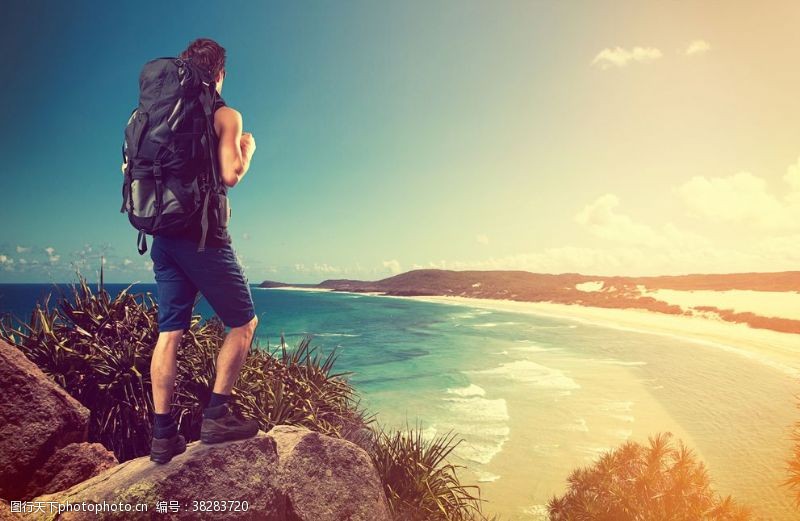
(535, 397)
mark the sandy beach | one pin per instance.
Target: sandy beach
(637, 407)
(777, 350)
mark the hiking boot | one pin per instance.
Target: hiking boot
(163, 449)
(226, 426)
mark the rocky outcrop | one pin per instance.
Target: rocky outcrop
(69, 466)
(37, 418)
(327, 479)
(242, 471)
(5, 512)
(290, 474)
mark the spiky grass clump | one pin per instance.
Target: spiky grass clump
(634, 482)
(418, 480)
(99, 349)
(298, 387)
(794, 464)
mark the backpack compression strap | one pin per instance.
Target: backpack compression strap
(208, 97)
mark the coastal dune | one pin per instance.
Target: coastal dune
(775, 349)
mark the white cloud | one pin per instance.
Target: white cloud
(774, 254)
(317, 268)
(246, 236)
(555, 260)
(602, 220)
(792, 178)
(50, 250)
(768, 233)
(127, 262)
(697, 47)
(620, 57)
(23, 249)
(745, 199)
(7, 263)
(482, 238)
(393, 266)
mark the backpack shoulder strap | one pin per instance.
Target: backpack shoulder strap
(208, 98)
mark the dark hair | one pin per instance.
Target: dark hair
(207, 54)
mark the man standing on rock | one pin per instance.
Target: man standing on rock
(181, 271)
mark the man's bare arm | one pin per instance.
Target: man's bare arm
(235, 147)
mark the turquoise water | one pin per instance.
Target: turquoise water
(535, 397)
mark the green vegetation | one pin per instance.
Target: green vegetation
(634, 482)
(98, 348)
(419, 482)
(794, 464)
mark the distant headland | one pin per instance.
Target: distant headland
(748, 298)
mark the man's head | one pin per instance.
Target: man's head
(209, 55)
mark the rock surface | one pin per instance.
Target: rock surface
(290, 474)
(327, 479)
(37, 417)
(234, 471)
(5, 512)
(69, 466)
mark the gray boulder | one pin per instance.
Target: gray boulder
(37, 417)
(69, 466)
(327, 479)
(242, 471)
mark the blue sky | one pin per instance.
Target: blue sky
(600, 137)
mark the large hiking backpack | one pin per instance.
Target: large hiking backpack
(169, 150)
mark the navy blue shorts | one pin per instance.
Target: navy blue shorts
(181, 271)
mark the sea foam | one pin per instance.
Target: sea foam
(487, 477)
(481, 421)
(470, 390)
(525, 371)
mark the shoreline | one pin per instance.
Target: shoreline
(296, 288)
(780, 351)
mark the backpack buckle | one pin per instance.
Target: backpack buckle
(157, 169)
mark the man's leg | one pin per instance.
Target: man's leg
(219, 424)
(219, 277)
(163, 368)
(166, 441)
(232, 356)
(176, 295)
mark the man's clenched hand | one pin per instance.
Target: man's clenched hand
(248, 145)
